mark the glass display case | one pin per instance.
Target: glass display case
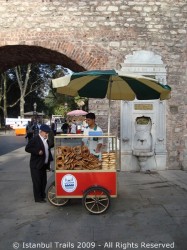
(79, 152)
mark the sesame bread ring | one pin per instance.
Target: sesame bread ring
(59, 151)
(72, 155)
(59, 158)
(78, 167)
(77, 150)
(59, 166)
(85, 151)
(78, 157)
(65, 150)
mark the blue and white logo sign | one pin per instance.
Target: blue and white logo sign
(69, 183)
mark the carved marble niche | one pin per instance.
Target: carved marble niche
(133, 158)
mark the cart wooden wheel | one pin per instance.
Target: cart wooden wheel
(96, 200)
(51, 195)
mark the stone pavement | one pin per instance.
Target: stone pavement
(150, 212)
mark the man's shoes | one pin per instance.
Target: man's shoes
(50, 170)
(41, 201)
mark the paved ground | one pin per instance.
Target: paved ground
(9, 141)
(150, 212)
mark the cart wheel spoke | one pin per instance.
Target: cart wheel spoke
(90, 202)
(51, 195)
(96, 200)
(100, 203)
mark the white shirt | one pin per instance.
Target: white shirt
(46, 146)
(92, 142)
(73, 128)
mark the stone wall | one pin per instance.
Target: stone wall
(99, 34)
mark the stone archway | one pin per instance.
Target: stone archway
(70, 55)
(13, 55)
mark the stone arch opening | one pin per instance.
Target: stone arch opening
(74, 56)
(13, 55)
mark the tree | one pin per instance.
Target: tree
(59, 104)
(81, 102)
(5, 93)
(3, 85)
(25, 85)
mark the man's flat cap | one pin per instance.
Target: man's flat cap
(45, 128)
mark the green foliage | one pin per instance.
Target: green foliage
(59, 104)
(82, 102)
(38, 87)
(47, 99)
(60, 110)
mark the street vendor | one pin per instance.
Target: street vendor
(93, 143)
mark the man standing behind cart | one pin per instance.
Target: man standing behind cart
(73, 127)
(65, 127)
(39, 162)
(93, 143)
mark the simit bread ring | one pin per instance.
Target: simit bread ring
(77, 150)
(59, 166)
(59, 158)
(59, 150)
(85, 151)
(65, 150)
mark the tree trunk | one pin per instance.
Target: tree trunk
(22, 102)
(23, 86)
(5, 98)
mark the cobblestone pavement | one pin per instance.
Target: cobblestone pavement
(150, 212)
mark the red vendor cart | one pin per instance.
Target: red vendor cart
(81, 173)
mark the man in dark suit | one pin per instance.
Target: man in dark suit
(39, 162)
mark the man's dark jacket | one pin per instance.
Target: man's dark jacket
(34, 146)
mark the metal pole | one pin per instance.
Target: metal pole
(35, 113)
(109, 111)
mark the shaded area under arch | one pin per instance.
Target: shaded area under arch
(13, 55)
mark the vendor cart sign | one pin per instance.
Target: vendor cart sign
(69, 183)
